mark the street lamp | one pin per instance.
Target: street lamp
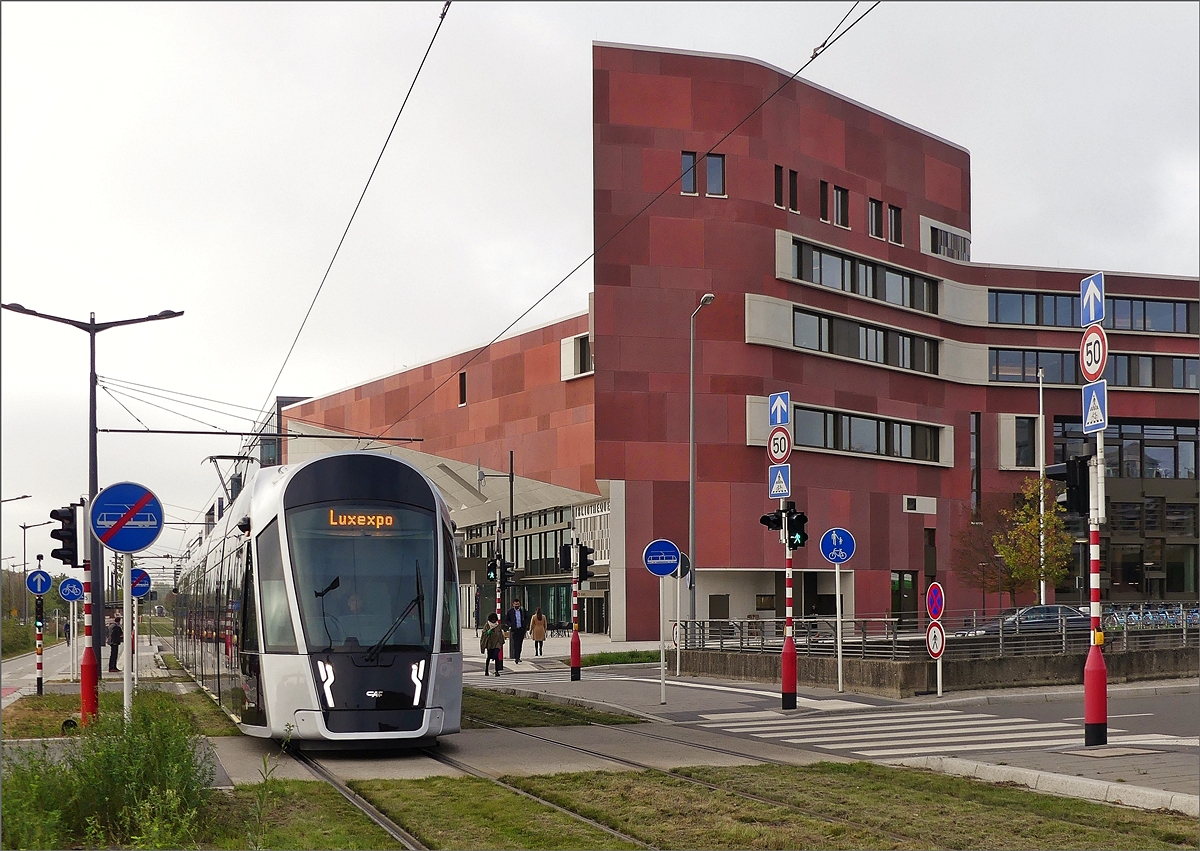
(707, 298)
(92, 327)
(25, 561)
(15, 498)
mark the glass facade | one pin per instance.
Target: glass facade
(864, 434)
(863, 277)
(1120, 314)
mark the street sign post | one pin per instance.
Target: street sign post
(779, 481)
(1091, 300)
(935, 643)
(779, 408)
(126, 517)
(779, 445)
(70, 590)
(662, 558)
(837, 547)
(1095, 407)
(1093, 353)
(935, 601)
(139, 582)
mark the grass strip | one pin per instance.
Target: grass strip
(288, 814)
(954, 812)
(668, 812)
(41, 716)
(623, 657)
(467, 812)
(509, 710)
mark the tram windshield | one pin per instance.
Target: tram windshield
(366, 575)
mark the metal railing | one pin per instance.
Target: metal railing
(903, 639)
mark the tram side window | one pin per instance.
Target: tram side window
(249, 610)
(450, 632)
(278, 635)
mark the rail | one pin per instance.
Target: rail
(967, 635)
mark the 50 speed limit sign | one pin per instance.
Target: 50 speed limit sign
(1093, 353)
(779, 445)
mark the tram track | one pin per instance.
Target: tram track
(761, 799)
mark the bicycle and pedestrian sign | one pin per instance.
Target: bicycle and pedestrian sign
(70, 590)
(126, 517)
(837, 545)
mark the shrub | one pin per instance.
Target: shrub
(16, 636)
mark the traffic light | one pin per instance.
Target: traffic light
(564, 558)
(796, 521)
(491, 569)
(39, 615)
(585, 562)
(1074, 473)
(508, 573)
(68, 552)
(773, 521)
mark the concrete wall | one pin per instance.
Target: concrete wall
(905, 679)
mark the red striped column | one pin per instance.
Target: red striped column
(787, 664)
(89, 668)
(1095, 673)
(576, 658)
(40, 614)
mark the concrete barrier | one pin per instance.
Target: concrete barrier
(906, 679)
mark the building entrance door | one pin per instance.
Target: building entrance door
(904, 598)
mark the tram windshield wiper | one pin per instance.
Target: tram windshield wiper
(320, 595)
(418, 603)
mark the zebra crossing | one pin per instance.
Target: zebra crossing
(890, 733)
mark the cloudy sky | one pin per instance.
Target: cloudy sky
(207, 157)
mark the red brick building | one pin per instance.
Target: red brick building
(836, 241)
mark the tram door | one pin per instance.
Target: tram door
(904, 598)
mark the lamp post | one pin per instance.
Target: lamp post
(707, 298)
(96, 649)
(25, 561)
(1041, 450)
(15, 498)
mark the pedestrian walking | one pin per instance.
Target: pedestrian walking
(537, 630)
(490, 643)
(116, 635)
(67, 632)
(517, 622)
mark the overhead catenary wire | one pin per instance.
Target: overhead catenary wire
(829, 41)
(267, 402)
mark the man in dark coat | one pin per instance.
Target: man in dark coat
(517, 622)
(116, 635)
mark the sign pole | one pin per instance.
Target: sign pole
(39, 613)
(1095, 672)
(837, 586)
(89, 668)
(787, 663)
(662, 642)
(126, 615)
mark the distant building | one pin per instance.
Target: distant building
(837, 242)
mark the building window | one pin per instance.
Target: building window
(1177, 317)
(841, 206)
(895, 225)
(793, 191)
(949, 244)
(824, 201)
(779, 185)
(714, 174)
(1026, 442)
(864, 434)
(875, 217)
(688, 183)
(1135, 450)
(863, 277)
(1120, 314)
(462, 389)
(976, 479)
(1018, 365)
(576, 357)
(851, 339)
(1153, 371)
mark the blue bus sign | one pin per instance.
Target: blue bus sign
(70, 590)
(39, 582)
(126, 517)
(837, 545)
(139, 582)
(662, 557)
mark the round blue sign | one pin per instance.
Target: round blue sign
(837, 545)
(70, 590)
(139, 582)
(126, 517)
(661, 557)
(39, 582)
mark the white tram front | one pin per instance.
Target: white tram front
(324, 605)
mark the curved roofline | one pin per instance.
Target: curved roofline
(786, 74)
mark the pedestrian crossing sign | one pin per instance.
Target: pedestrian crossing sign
(1095, 406)
(779, 481)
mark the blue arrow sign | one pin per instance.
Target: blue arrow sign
(779, 408)
(39, 582)
(779, 481)
(1091, 300)
(837, 545)
(139, 582)
(70, 590)
(1095, 406)
(661, 557)
(126, 517)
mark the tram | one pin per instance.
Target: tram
(323, 605)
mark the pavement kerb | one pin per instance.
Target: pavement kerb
(598, 705)
(1139, 797)
(1056, 696)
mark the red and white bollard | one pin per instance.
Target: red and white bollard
(576, 657)
(1095, 673)
(788, 661)
(89, 668)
